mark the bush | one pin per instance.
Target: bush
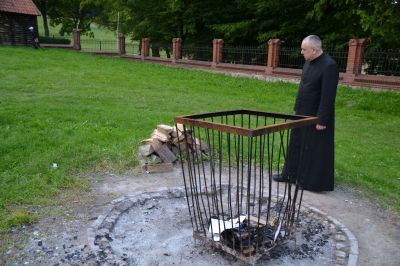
(54, 40)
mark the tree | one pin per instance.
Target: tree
(43, 6)
(338, 20)
(162, 20)
(252, 22)
(382, 20)
(74, 14)
(282, 19)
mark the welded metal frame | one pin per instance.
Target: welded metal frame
(227, 168)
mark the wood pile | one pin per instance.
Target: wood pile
(161, 150)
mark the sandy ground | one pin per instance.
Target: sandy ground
(60, 237)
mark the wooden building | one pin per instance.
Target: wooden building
(16, 16)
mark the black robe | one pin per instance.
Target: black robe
(310, 158)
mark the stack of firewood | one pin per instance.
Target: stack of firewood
(161, 150)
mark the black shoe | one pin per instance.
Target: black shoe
(280, 178)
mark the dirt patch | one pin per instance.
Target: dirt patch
(61, 237)
(157, 231)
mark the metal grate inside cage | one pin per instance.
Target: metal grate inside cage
(228, 159)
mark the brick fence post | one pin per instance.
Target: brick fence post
(354, 59)
(176, 49)
(76, 36)
(145, 48)
(218, 45)
(121, 44)
(274, 46)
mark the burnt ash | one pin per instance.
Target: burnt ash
(143, 238)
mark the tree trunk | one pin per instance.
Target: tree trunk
(155, 52)
(42, 5)
(45, 25)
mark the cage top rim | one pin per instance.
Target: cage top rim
(296, 121)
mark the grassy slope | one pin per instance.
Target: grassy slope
(88, 113)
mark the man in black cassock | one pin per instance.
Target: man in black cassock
(35, 38)
(310, 158)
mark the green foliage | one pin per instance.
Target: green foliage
(99, 32)
(236, 21)
(88, 113)
(74, 14)
(382, 20)
(378, 21)
(162, 20)
(54, 40)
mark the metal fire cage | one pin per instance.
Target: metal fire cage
(228, 159)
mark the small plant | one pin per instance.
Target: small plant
(20, 217)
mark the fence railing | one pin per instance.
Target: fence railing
(290, 57)
(132, 49)
(340, 56)
(99, 45)
(162, 50)
(358, 65)
(246, 55)
(193, 52)
(381, 62)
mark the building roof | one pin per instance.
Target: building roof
(19, 6)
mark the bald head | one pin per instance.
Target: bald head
(311, 47)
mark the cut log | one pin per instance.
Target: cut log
(146, 149)
(175, 142)
(158, 168)
(181, 129)
(160, 136)
(189, 139)
(175, 150)
(155, 159)
(162, 150)
(201, 145)
(173, 133)
(147, 141)
(165, 129)
(159, 152)
(182, 146)
(181, 136)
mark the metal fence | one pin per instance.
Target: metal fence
(193, 52)
(340, 56)
(247, 55)
(132, 48)
(99, 45)
(162, 50)
(381, 62)
(290, 57)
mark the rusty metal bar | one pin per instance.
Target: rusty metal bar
(227, 163)
(296, 121)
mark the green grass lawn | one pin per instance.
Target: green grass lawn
(88, 113)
